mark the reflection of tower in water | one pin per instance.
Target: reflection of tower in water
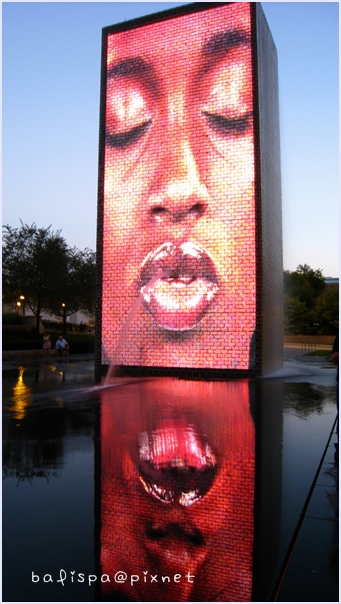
(182, 454)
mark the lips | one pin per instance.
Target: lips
(176, 463)
(178, 284)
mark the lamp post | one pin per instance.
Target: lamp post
(64, 318)
(22, 298)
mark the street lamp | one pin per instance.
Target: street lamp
(64, 319)
(22, 298)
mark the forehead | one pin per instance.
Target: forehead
(185, 36)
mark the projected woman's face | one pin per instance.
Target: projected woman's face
(179, 210)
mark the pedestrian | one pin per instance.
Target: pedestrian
(62, 346)
(47, 344)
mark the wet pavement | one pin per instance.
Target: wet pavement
(312, 567)
(308, 545)
(312, 570)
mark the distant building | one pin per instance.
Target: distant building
(331, 281)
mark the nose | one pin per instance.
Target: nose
(159, 531)
(178, 193)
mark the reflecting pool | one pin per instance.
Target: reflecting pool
(155, 489)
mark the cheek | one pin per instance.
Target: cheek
(230, 215)
(124, 192)
(231, 176)
(124, 237)
(124, 182)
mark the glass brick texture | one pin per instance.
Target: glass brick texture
(179, 226)
(177, 491)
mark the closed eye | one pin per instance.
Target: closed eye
(121, 140)
(226, 126)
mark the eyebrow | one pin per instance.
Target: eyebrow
(225, 41)
(132, 66)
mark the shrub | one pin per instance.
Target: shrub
(23, 340)
(12, 318)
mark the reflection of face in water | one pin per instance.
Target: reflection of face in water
(179, 191)
(177, 489)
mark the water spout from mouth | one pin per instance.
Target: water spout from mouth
(113, 368)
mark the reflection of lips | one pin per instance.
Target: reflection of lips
(178, 283)
(176, 463)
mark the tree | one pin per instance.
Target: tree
(326, 311)
(78, 292)
(33, 260)
(296, 316)
(38, 264)
(305, 284)
(301, 290)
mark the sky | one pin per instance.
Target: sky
(51, 87)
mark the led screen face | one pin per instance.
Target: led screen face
(179, 265)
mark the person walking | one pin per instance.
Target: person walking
(47, 344)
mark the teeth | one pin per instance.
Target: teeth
(177, 449)
(185, 499)
(178, 279)
(185, 263)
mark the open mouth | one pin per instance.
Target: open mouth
(178, 284)
(176, 463)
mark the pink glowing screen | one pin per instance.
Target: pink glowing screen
(179, 245)
(177, 491)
